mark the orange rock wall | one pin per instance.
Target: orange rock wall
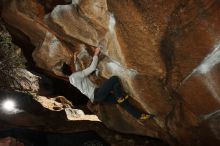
(161, 50)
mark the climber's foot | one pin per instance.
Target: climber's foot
(122, 99)
(146, 116)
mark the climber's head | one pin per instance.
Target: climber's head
(80, 59)
(67, 70)
(74, 65)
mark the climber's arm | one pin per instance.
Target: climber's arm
(93, 65)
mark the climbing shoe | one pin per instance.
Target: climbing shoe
(122, 99)
(146, 116)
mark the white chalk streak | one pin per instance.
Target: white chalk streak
(211, 86)
(53, 45)
(112, 22)
(210, 61)
(213, 120)
(119, 70)
(75, 2)
(209, 115)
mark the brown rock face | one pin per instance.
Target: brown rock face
(51, 54)
(165, 52)
(10, 141)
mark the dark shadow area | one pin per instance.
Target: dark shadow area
(36, 138)
(1, 5)
(49, 5)
(24, 42)
(64, 88)
(51, 86)
(33, 117)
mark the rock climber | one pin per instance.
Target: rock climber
(109, 91)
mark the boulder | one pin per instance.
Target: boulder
(51, 54)
(165, 53)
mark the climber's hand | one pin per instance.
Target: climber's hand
(97, 51)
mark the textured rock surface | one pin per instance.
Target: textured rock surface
(10, 141)
(161, 50)
(29, 114)
(28, 81)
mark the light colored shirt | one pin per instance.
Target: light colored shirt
(81, 81)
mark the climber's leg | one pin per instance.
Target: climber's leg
(103, 94)
(110, 99)
(134, 111)
(130, 109)
(112, 84)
